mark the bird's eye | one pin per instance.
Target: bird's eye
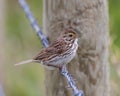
(70, 35)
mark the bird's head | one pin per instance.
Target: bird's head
(70, 35)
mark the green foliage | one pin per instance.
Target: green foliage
(114, 10)
(114, 6)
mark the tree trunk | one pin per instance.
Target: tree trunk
(90, 67)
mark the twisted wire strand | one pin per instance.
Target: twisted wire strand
(45, 42)
(34, 23)
(71, 82)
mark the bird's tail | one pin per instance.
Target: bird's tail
(37, 61)
(25, 62)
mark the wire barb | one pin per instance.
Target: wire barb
(45, 42)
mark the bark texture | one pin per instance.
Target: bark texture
(90, 67)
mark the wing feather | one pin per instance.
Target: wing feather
(56, 48)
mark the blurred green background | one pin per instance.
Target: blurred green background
(21, 43)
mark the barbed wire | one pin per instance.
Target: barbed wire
(34, 23)
(45, 42)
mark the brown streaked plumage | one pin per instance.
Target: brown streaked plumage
(60, 52)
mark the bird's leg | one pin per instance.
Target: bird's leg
(55, 66)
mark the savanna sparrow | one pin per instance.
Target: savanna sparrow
(60, 52)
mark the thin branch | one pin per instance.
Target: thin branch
(45, 42)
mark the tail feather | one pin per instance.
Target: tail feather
(25, 62)
(37, 61)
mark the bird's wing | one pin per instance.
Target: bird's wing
(56, 48)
